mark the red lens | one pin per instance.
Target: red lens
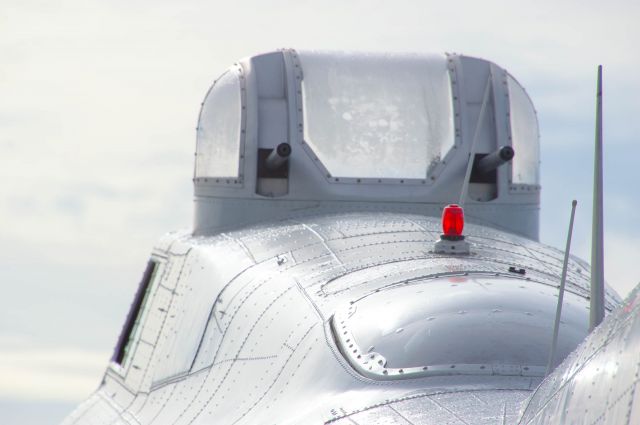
(452, 220)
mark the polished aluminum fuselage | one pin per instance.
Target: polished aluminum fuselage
(238, 328)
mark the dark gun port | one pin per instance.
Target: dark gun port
(486, 164)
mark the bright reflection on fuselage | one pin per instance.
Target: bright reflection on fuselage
(466, 320)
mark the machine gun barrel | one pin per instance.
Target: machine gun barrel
(278, 156)
(495, 159)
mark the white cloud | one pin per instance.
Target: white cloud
(621, 262)
(62, 374)
(621, 254)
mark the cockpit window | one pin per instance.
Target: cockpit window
(219, 129)
(377, 115)
(132, 327)
(458, 325)
(524, 135)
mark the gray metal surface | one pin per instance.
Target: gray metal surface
(597, 230)
(273, 102)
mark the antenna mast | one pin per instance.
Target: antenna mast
(597, 248)
(563, 281)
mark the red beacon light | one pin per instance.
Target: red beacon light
(452, 240)
(453, 221)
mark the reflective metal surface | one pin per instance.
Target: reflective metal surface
(459, 324)
(264, 352)
(598, 382)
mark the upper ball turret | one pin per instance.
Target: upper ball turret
(366, 131)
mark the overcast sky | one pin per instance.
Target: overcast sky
(98, 108)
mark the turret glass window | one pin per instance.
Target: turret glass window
(377, 115)
(524, 135)
(219, 126)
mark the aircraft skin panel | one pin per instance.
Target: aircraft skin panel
(598, 382)
(134, 407)
(455, 407)
(119, 393)
(267, 352)
(95, 411)
(154, 403)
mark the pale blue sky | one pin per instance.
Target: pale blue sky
(98, 105)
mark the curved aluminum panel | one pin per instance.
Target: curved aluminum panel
(598, 382)
(459, 324)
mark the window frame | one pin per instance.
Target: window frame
(124, 348)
